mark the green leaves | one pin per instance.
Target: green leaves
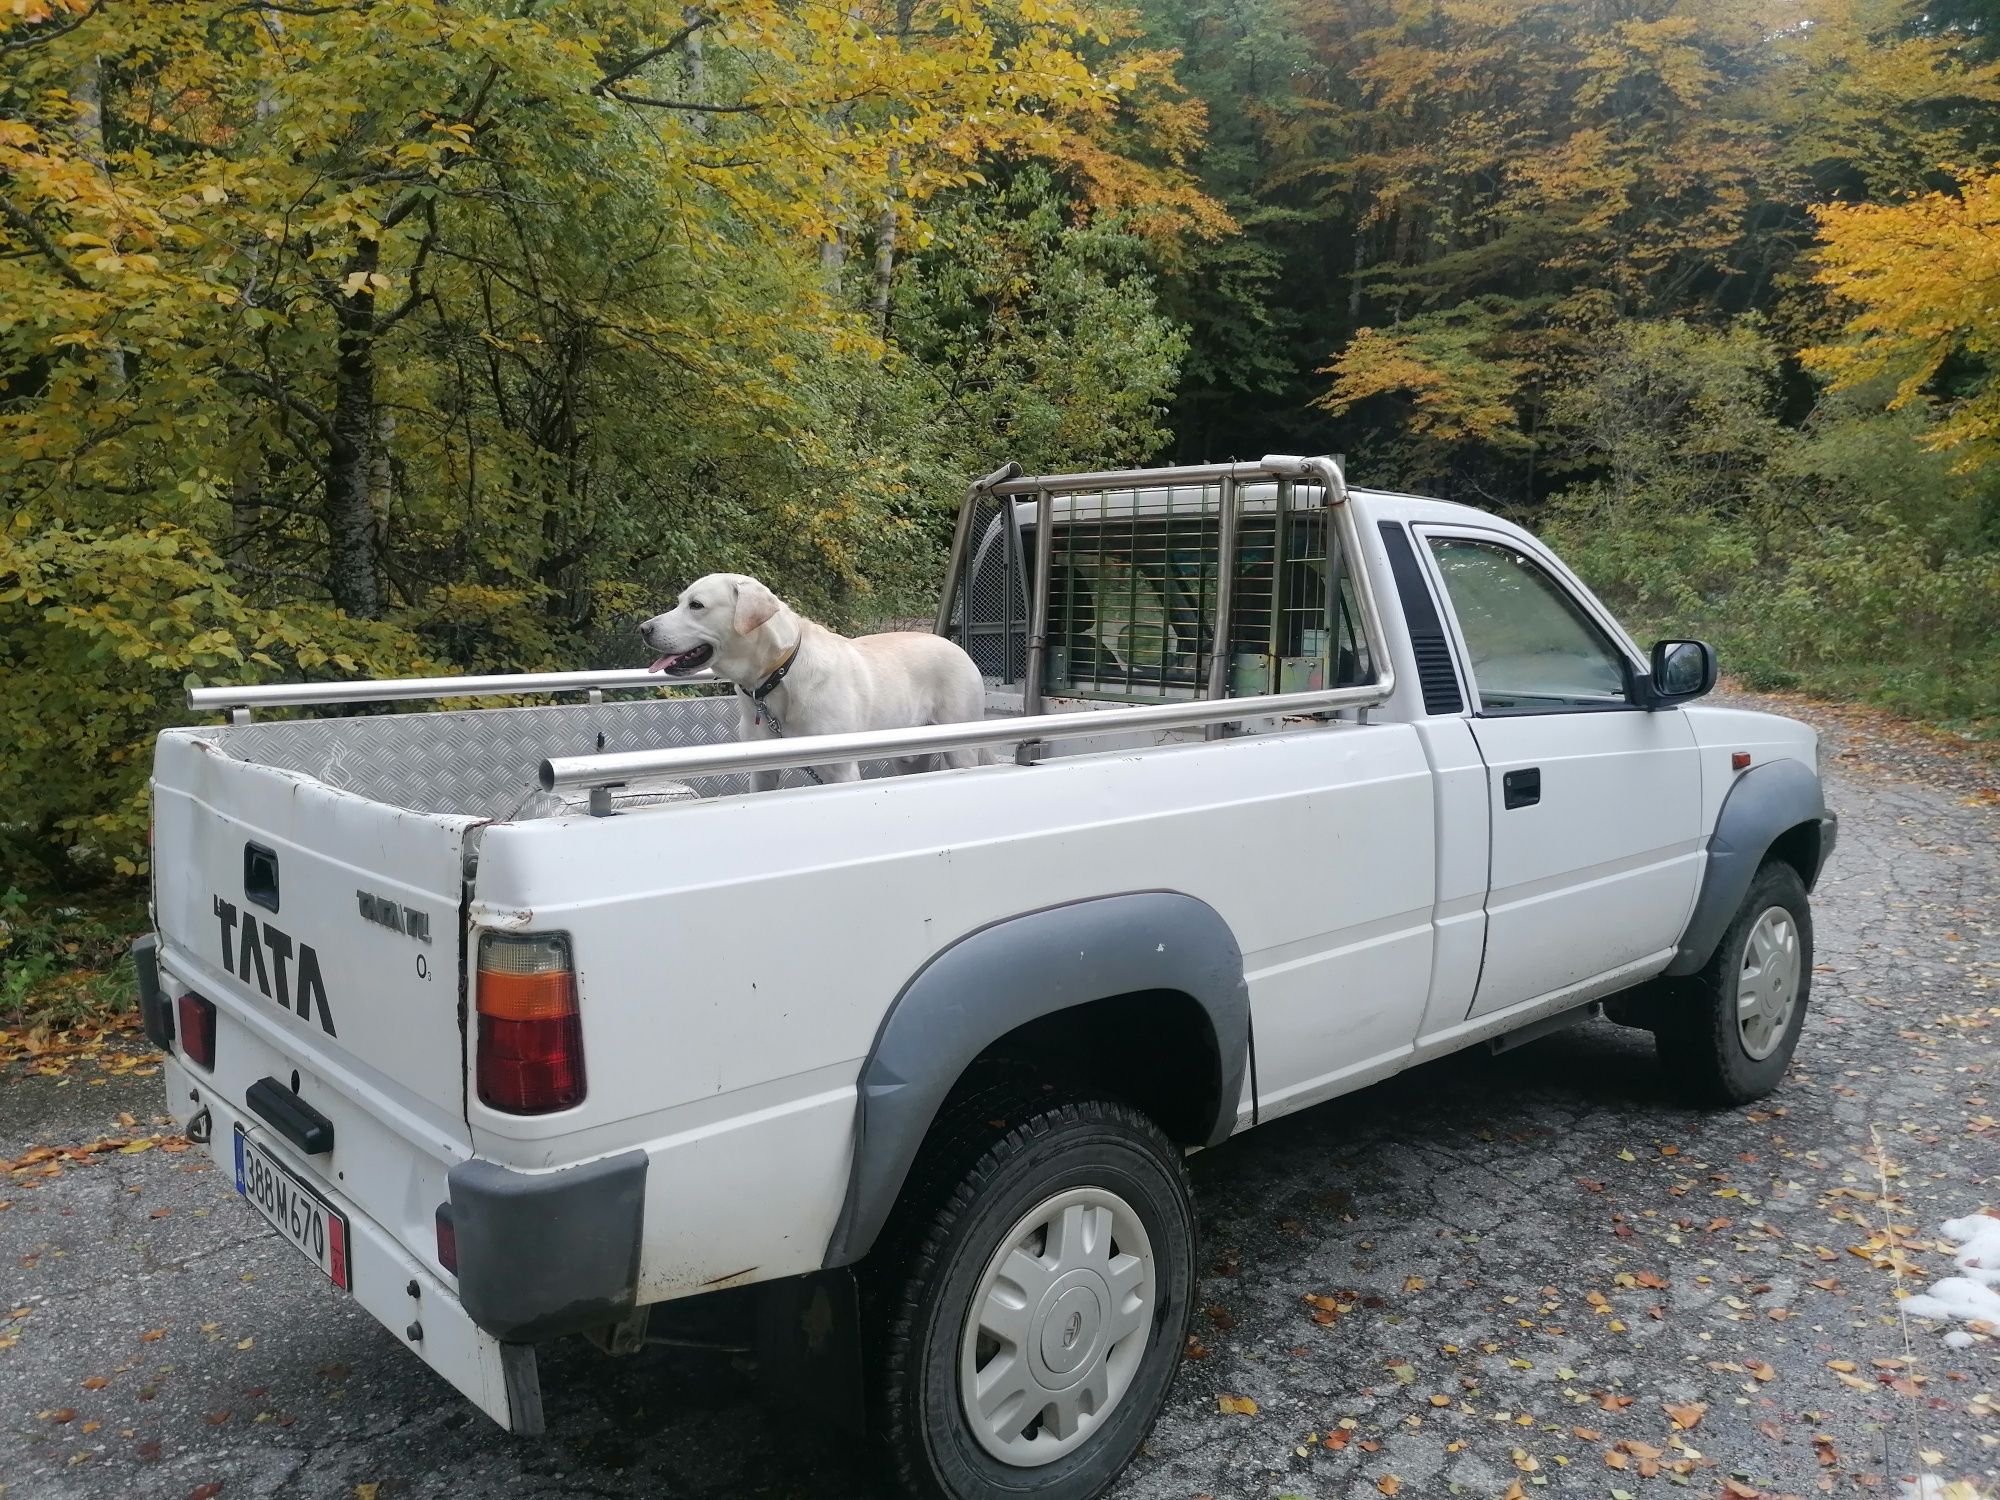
(491, 323)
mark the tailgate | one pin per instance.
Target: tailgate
(325, 926)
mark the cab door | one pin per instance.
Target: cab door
(1594, 802)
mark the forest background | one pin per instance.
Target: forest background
(378, 337)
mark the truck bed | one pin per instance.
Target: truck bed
(479, 763)
(482, 763)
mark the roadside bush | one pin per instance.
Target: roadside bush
(99, 630)
(1844, 557)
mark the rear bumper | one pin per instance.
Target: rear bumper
(548, 1253)
(400, 1292)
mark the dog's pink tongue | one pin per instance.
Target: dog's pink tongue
(663, 663)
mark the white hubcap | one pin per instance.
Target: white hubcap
(1767, 988)
(1057, 1326)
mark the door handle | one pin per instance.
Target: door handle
(260, 875)
(1521, 788)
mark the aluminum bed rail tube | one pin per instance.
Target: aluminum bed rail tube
(1273, 467)
(394, 689)
(624, 768)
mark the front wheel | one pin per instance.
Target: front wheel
(1729, 1031)
(1035, 1320)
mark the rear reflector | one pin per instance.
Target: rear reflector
(447, 1237)
(197, 1029)
(530, 1059)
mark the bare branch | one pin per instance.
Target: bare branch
(672, 44)
(34, 235)
(417, 293)
(411, 199)
(285, 398)
(273, 7)
(685, 104)
(36, 36)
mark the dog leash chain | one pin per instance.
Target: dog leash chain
(769, 715)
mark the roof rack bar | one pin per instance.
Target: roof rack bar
(1275, 466)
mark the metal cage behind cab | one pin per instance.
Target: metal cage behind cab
(1113, 586)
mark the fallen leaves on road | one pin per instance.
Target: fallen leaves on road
(1239, 1406)
(1389, 1484)
(1686, 1417)
(49, 1161)
(50, 1053)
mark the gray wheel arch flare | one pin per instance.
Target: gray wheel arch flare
(1764, 804)
(1002, 976)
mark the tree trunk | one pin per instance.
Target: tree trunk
(885, 248)
(86, 91)
(350, 511)
(246, 498)
(1359, 264)
(381, 477)
(696, 87)
(833, 249)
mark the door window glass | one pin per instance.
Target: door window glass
(1533, 648)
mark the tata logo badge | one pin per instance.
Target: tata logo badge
(393, 915)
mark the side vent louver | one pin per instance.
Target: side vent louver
(1420, 617)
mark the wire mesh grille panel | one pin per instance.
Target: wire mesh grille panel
(1134, 592)
(1294, 622)
(990, 613)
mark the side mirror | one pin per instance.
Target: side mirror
(1681, 670)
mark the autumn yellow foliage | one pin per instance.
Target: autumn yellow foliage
(1919, 281)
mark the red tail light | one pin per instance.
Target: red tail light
(530, 1059)
(197, 1029)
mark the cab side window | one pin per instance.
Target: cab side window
(1533, 648)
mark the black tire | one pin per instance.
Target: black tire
(990, 1164)
(1698, 1034)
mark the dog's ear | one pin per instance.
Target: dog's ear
(755, 605)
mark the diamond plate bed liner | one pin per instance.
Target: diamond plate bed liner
(485, 762)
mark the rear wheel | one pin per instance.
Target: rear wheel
(1729, 1031)
(1033, 1314)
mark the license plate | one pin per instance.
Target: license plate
(295, 1208)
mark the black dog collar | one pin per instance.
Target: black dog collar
(764, 689)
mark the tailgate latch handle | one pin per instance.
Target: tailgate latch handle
(289, 1115)
(260, 876)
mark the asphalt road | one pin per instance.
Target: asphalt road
(1537, 1253)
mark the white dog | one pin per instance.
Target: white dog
(795, 678)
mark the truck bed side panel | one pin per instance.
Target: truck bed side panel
(736, 957)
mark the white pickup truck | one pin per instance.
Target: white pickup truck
(522, 1022)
